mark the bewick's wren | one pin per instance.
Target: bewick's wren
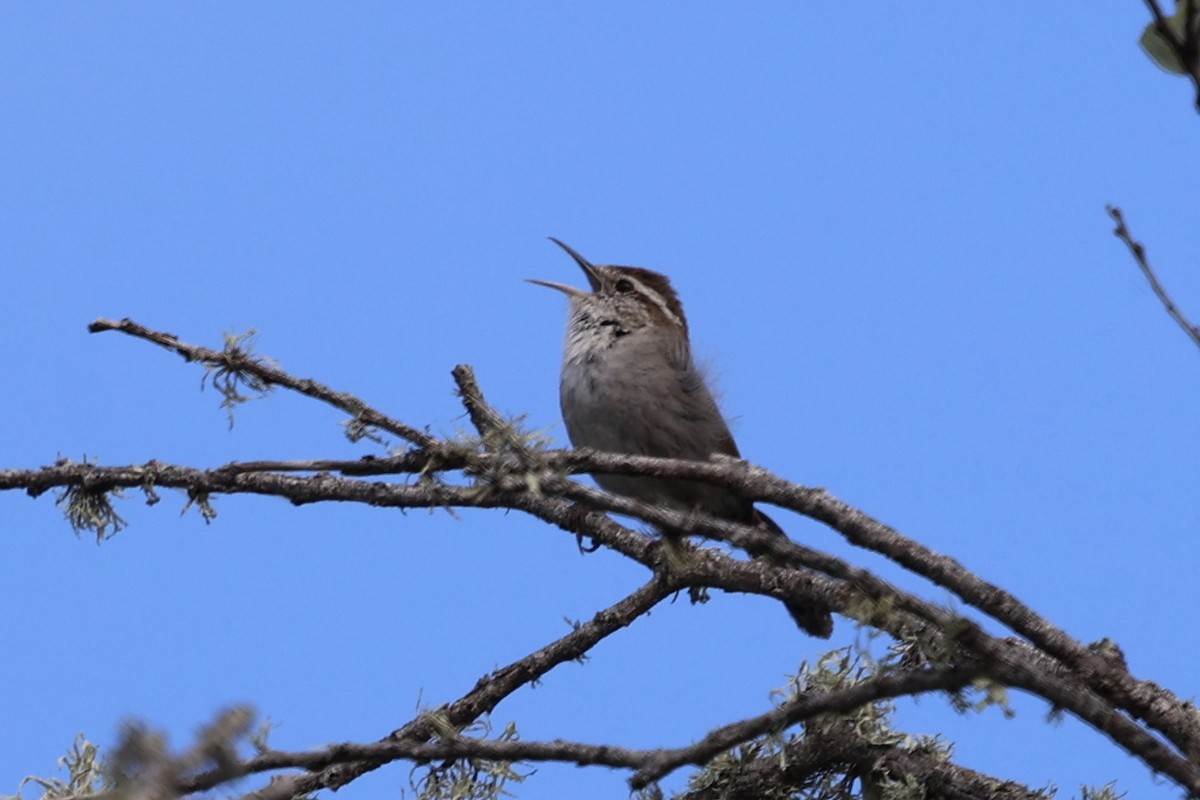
(629, 385)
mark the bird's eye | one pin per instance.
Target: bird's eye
(624, 286)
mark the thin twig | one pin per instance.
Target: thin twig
(1056, 668)
(270, 375)
(485, 418)
(1139, 255)
(1144, 701)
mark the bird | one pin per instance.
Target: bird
(629, 385)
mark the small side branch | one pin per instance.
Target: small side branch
(1139, 255)
(508, 469)
(483, 416)
(269, 375)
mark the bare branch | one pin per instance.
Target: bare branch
(710, 569)
(1144, 701)
(268, 375)
(483, 416)
(1139, 255)
(1140, 698)
(507, 468)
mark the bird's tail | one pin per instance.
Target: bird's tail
(812, 620)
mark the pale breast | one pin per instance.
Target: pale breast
(631, 398)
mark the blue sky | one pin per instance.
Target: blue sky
(888, 229)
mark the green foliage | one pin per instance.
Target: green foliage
(836, 670)
(849, 666)
(356, 431)
(905, 788)
(982, 693)
(86, 774)
(230, 378)
(1106, 792)
(258, 736)
(651, 792)
(143, 752)
(1110, 651)
(466, 778)
(1159, 49)
(510, 436)
(202, 502)
(89, 508)
(491, 455)
(142, 760)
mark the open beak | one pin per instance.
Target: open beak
(584, 264)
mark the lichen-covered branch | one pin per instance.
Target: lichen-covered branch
(505, 467)
(235, 360)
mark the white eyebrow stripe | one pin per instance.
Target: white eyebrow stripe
(656, 297)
